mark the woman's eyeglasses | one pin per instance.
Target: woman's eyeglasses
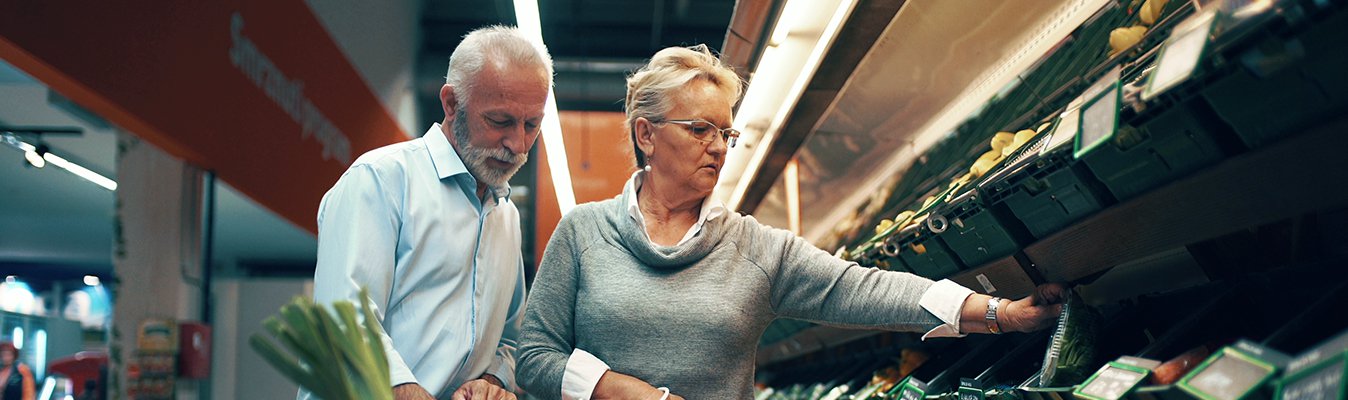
(704, 131)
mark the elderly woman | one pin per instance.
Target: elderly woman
(662, 286)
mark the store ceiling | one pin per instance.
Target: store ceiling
(57, 226)
(594, 43)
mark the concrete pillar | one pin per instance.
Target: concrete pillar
(156, 251)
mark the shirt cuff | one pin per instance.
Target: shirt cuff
(945, 299)
(582, 374)
(503, 368)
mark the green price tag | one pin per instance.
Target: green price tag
(1099, 119)
(970, 389)
(1231, 374)
(1323, 382)
(1113, 381)
(1180, 54)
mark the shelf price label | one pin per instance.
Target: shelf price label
(1181, 53)
(1235, 373)
(1099, 119)
(1317, 373)
(1321, 383)
(970, 389)
(1116, 379)
(911, 389)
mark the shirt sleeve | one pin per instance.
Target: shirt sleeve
(547, 339)
(944, 299)
(358, 223)
(503, 363)
(583, 371)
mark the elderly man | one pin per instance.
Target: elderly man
(427, 225)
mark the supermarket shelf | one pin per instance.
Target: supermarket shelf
(1005, 276)
(1290, 178)
(810, 340)
(1002, 278)
(1299, 175)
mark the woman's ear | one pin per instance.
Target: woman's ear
(645, 134)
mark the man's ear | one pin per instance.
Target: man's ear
(448, 101)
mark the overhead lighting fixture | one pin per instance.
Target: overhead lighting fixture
(791, 174)
(91, 280)
(40, 155)
(34, 156)
(526, 17)
(803, 32)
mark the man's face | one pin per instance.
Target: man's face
(494, 133)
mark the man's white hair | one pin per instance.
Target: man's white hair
(500, 43)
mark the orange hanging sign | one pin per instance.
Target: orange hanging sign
(255, 90)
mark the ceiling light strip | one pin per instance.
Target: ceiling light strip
(58, 161)
(802, 78)
(526, 16)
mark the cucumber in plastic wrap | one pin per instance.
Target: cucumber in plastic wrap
(1071, 352)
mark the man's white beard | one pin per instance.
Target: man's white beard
(475, 158)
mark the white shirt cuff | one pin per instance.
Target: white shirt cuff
(582, 374)
(945, 299)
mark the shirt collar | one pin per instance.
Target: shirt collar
(448, 163)
(446, 160)
(711, 206)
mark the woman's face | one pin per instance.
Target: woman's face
(678, 158)
(6, 357)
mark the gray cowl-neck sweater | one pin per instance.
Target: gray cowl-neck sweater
(689, 317)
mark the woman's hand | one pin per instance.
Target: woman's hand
(1037, 311)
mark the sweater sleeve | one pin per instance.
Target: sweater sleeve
(810, 284)
(548, 338)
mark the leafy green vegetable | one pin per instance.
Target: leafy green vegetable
(335, 357)
(1071, 353)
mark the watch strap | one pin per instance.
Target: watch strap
(991, 316)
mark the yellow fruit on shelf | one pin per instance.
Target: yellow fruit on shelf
(1151, 11)
(1020, 139)
(985, 163)
(1123, 38)
(1001, 140)
(884, 225)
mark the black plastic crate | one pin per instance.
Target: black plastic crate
(1156, 149)
(1270, 94)
(1326, 59)
(977, 235)
(1047, 194)
(922, 253)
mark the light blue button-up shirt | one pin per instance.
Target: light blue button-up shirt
(443, 267)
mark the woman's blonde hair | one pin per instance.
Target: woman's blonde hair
(649, 88)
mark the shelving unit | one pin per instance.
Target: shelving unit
(1287, 184)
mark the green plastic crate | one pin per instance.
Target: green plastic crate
(1047, 194)
(886, 259)
(923, 254)
(976, 235)
(1170, 145)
